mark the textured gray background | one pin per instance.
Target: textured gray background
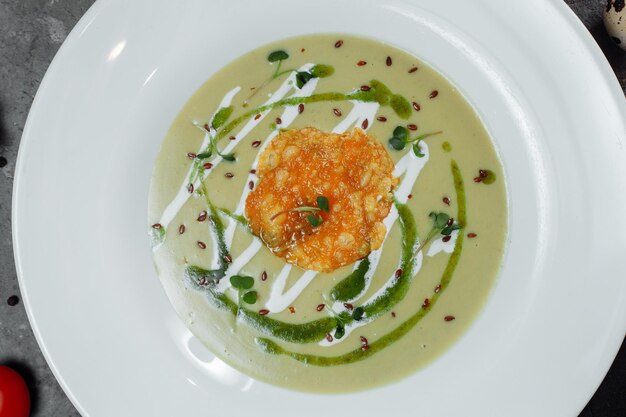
(31, 31)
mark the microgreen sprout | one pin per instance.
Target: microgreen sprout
(442, 225)
(221, 117)
(400, 138)
(277, 56)
(212, 146)
(340, 331)
(317, 71)
(358, 313)
(218, 121)
(313, 218)
(243, 284)
(302, 77)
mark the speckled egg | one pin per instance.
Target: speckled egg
(615, 21)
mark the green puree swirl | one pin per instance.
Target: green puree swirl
(378, 93)
(356, 355)
(315, 330)
(352, 285)
(216, 225)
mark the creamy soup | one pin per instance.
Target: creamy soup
(328, 213)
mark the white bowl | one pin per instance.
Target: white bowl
(554, 321)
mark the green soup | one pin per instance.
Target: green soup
(361, 325)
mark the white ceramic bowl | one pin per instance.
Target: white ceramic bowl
(554, 321)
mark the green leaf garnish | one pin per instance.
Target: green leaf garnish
(441, 225)
(204, 155)
(275, 56)
(242, 282)
(278, 55)
(318, 71)
(358, 313)
(250, 297)
(314, 221)
(440, 220)
(221, 117)
(302, 78)
(397, 143)
(401, 132)
(340, 331)
(447, 231)
(322, 203)
(228, 157)
(322, 71)
(401, 138)
(417, 150)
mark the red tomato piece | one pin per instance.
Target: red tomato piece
(14, 397)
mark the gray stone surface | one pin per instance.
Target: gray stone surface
(31, 31)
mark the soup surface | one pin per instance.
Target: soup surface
(327, 213)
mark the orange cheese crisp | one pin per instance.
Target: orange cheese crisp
(352, 170)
